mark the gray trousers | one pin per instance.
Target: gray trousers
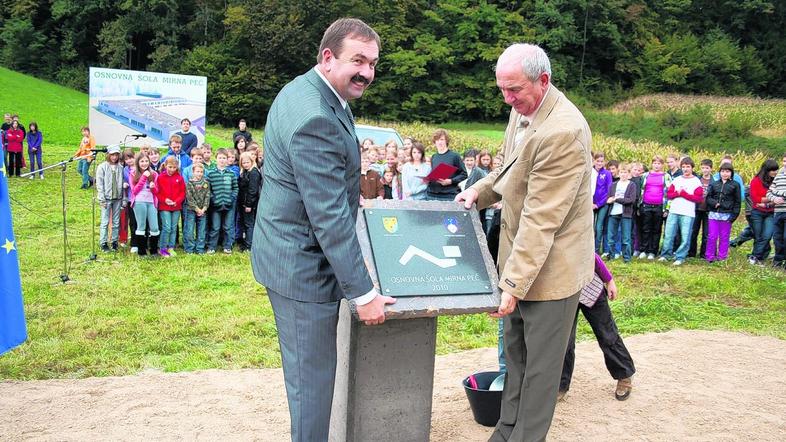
(307, 337)
(536, 336)
(112, 210)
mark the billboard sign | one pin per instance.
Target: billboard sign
(125, 103)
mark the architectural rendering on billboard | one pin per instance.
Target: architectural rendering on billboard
(125, 103)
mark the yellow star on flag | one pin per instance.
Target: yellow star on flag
(8, 246)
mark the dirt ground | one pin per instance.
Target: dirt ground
(690, 385)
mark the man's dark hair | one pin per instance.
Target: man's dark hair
(185, 119)
(706, 162)
(342, 28)
(242, 120)
(470, 153)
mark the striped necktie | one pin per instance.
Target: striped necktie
(351, 117)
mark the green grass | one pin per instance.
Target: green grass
(123, 315)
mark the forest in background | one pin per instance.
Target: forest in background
(437, 56)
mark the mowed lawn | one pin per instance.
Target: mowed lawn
(120, 314)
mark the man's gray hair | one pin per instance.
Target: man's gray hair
(534, 60)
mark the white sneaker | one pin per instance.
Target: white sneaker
(662, 258)
(134, 250)
(678, 262)
(752, 261)
(617, 256)
(651, 256)
(604, 256)
(642, 255)
(31, 177)
(42, 177)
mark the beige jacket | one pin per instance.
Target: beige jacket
(546, 239)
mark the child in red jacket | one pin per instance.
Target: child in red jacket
(14, 136)
(170, 190)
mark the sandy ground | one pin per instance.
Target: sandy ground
(690, 386)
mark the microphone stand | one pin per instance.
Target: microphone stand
(63, 165)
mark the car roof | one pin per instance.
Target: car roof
(380, 135)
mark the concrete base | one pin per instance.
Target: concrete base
(384, 380)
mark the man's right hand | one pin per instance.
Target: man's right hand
(507, 304)
(373, 313)
(468, 197)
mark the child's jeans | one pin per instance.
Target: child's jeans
(222, 219)
(146, 217)
(248, 220)
(194, 232)
(83, 167)
(615, 222)
(674, 222)
(35, 157)
(600, 222)
(169, 220)
(112, 208)
(718, 233)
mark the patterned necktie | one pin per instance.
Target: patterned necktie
(351, 117)
(521, 130)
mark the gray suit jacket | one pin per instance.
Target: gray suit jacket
(305, 246)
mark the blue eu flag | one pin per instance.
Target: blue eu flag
(12, 316)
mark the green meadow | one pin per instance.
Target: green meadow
(120, 314)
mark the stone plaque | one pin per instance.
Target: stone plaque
(426, 252)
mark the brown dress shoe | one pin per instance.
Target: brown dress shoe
(624, 386)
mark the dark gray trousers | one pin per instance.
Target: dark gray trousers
(307, 337)
(536, 336)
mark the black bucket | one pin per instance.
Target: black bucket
(485, 404)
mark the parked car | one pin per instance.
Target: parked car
(380, 135)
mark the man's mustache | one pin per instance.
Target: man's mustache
(361, 79)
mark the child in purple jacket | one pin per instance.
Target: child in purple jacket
(35, 139)
(599, 205)
(595, 307)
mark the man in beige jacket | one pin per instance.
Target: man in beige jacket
(546, 239)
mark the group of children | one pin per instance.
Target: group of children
(151, 194)
(632, 206)
(399, 172)
(13, 137)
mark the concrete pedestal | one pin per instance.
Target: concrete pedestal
(384, 380)
(385, 373)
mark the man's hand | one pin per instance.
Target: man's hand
(468, 197)
(373, 313)
(778, 200)
(506, 305)
(445, 181)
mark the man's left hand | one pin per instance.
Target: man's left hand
(373, 313)
(506, 305)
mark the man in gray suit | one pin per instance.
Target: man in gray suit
(307, 253)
